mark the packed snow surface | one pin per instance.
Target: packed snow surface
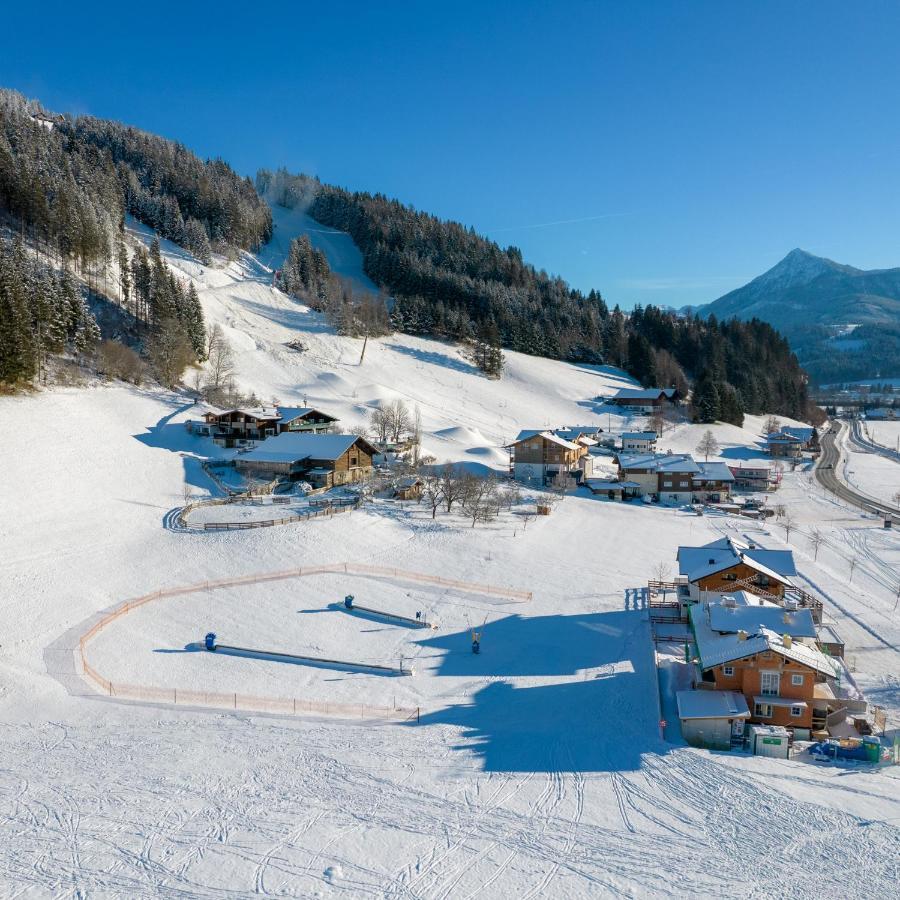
(535, 769)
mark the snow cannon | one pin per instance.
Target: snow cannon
(210, 642)
(348, 601)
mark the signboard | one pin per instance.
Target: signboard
(776, 741)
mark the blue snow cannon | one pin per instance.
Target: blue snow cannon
(210, 642)
(348, 601)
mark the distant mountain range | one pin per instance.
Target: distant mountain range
(843, 323)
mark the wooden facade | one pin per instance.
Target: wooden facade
(737, 578)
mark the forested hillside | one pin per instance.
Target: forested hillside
(65, 187)
(448, 281)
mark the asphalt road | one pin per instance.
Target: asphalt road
(827, 467)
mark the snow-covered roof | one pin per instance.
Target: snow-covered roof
(575, 435)
(791, 434)
(642, 393)
(715, 648)
(289, 413)
(659, 462)
(256, 412)
(639, 435)
(713, 471)
(548, 435)
(698, 562)
(712, 705)
(731, 614)
(293, 446)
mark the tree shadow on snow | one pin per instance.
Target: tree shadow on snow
(174, 437)
(603, 718)
(444, 360)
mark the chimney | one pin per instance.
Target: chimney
(786, 618)
(787, 640)
(742, 635)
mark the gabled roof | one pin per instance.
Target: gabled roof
(639, 435)
(745, 612)
(289, 413)
(716, 649)
(256, 412)
(791, 434)
(642, 393)
(658, 462)
(527, 434)
(294, 446)
(713, 471)
(698, 562)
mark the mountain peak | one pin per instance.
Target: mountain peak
(797, 268)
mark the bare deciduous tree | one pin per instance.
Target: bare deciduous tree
(417, 436)
(380, 424)
(816, 539)
(658, 422)
(708, 445)
(433, 492)
(479, 501)
(219, 365)
(453, 486)
(397, 419)
(788, 523)
(772, 425)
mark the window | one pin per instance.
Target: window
(763, 711)
(728, 670)
(796, 680)
(769, 683)
(796, 712)
(684, 484)
(729, 576)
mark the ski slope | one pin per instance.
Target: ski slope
(537, 769)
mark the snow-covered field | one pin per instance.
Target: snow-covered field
(536, 768)
(869, 472)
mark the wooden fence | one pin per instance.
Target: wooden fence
(247, 702)
(313, 512)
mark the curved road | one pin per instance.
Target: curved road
(826, 474)
(866, 443)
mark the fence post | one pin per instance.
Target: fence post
(418, 720)
(235, 699)
(175, 695)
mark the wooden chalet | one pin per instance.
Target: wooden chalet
(538, 457)
(727, 565)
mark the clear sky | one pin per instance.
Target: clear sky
(660, 152)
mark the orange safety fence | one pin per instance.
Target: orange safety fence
(285, 706)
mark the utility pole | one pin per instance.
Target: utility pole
(362, 355)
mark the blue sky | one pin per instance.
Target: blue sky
(660, 152)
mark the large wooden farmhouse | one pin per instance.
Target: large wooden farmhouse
(324, 460)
